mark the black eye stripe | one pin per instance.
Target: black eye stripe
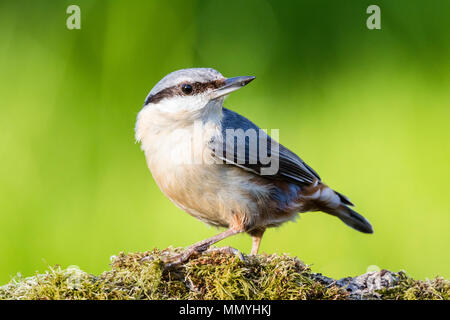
(197, 87)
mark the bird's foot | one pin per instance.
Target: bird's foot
(199, 247)
(179, 259)
(228, 250)
(185, 256)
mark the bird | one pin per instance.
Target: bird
(199, 162)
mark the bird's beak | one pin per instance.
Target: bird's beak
(230, 85)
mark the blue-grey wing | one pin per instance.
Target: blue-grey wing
(254, 159)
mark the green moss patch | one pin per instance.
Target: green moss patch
(212, 275)
(410, 289)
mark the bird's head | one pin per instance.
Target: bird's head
(190, 90)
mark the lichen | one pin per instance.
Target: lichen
(215, 275)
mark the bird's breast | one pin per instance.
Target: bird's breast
(183, 166)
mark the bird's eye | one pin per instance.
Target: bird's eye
(187, 88)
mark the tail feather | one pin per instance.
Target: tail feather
(353, 219)
(344, 199)
(320, 196)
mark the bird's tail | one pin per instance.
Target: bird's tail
(352, 219)
(319, 196)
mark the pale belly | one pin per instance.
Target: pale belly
(215, 193)
(205, 191)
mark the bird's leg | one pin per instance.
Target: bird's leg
(200, 247)
(256, 237)
(255, 246)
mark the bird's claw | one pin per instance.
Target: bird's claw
(228, 250)
(191, 251)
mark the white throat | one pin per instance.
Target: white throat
(155, 122)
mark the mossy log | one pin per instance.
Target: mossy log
(217, 275)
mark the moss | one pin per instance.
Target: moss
(212, 275)
(410, 289)
(219, 276)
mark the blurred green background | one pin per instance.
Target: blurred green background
(367, 109)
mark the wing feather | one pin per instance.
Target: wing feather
(291, 167)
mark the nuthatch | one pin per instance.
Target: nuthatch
(221, 168)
